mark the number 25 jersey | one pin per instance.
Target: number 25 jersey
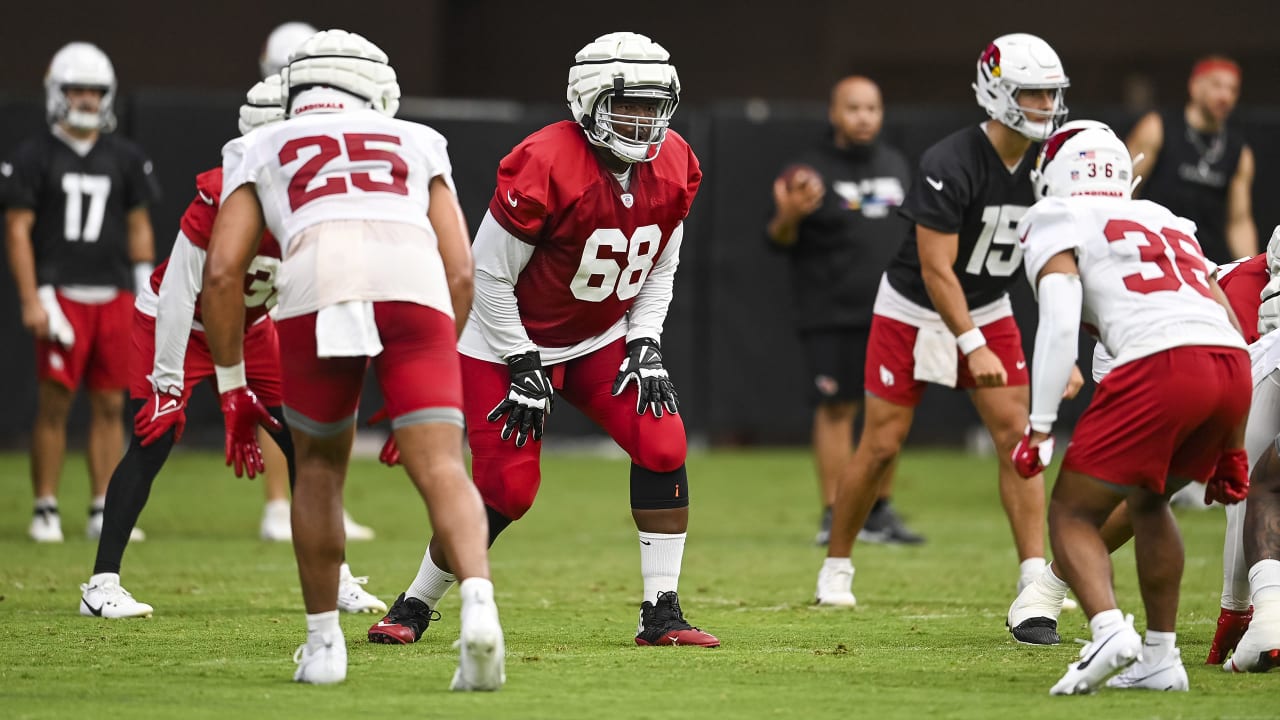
(1145, 280)
(594, 243)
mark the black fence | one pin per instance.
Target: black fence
(730, 322)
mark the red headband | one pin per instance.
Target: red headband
(1210, 64)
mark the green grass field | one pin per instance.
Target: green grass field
(927, 640)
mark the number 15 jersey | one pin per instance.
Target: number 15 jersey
(1145, 280)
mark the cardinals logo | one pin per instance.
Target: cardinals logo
(991, 58)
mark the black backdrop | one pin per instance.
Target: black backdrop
(729, 340)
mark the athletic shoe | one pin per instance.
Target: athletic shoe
(481, 650)
(404, 623)
(1168, 674)
(46, 526)
(1101, 658)
(663, 623)
(886, 527)
(1231, 627)
(835, 587)
(322, 662)
(1033, 616)
(1259, 648)
(93, 530)
(824, 529)
(276, 524)
(103, 597)
(352, 597)
(356, 531)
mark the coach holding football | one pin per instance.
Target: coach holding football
(835, 214)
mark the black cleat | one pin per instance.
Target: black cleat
(884, 526)
(404, 623)
(664, 624)
(1036, 631)
(824, 529)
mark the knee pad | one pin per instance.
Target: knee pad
(651, 490)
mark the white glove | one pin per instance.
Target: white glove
(59, 326)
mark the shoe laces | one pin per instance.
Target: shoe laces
(666, 612)
(401, 611)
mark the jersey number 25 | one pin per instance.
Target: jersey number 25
(357, 148)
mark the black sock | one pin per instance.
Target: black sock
(127, 494)
(881, 504)
(497, 523)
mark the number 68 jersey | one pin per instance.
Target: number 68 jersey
(1145, 279)
(347, 194)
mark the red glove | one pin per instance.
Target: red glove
(243, 412)
(162, 412)
(1230, 482)
(390, 455)
(1029, 460)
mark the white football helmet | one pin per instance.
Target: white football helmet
(347, 62)
(80, 64)
(1084, 157)
(280, 45)
(623, 65)
(1020, 62)
(264, 104)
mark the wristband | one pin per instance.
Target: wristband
(971, 340)
(230, 378)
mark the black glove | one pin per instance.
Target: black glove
(653, 385)
(528, 401)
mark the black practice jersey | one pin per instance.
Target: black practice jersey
(80, 235)
(1191, 177)
(963, 187)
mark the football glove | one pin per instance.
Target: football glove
(653, 386)
(528, 401)
(243, 412)
(1230, 482)
(390, 455)
(1030, 460)
(162, 412)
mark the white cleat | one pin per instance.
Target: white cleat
(323, 662)
(1168, 674)
(1100, 659)
(482, 651)
(1033, 616)
(352, 597)
(103, 597)
(1259, 648)
(276, 523)
(356, 531)
(46, 526)
(93, 530)
(835, 587)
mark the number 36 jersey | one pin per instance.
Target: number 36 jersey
(594, 244)
(1145, 279)
(963, 188)
(347, 194)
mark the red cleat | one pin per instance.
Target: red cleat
(664, 624)
(1232, 625)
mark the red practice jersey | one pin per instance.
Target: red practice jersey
(1243, 287)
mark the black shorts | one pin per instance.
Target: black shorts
(836, 359)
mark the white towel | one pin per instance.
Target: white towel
(935, 356)
(347, 330)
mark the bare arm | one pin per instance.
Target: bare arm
(232, 246)
(142, 242)
(22, 264)
(1242, 234)
(937, 260)
(1146, 138)
(454, 241)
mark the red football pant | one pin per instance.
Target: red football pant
(261, 360)
(96, 357)
(508, 477)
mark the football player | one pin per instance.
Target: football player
(575, 261)
(942, 313)
(79, 241)
(1150, 295)
(171, 357)
(377, 269)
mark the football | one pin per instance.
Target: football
(800, 174)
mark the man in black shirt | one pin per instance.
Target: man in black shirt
(942, 314)
(79, 239)
(835, 215)
(1197, 166)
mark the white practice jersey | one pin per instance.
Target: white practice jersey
(1144, 276)
(347, 194)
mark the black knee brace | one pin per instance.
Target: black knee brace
(652, 490)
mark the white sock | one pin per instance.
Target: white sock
(1235, 576)
(1029, 570)
(98, 504)
(276, 506)
(833, 564)
(100, 578)
(431, 583)
(1104, 622)
(1264, 579)
(476, 589)
(48, 502)
(660, 558)
(1051, 580)
(322, 626)
(1157, 646)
